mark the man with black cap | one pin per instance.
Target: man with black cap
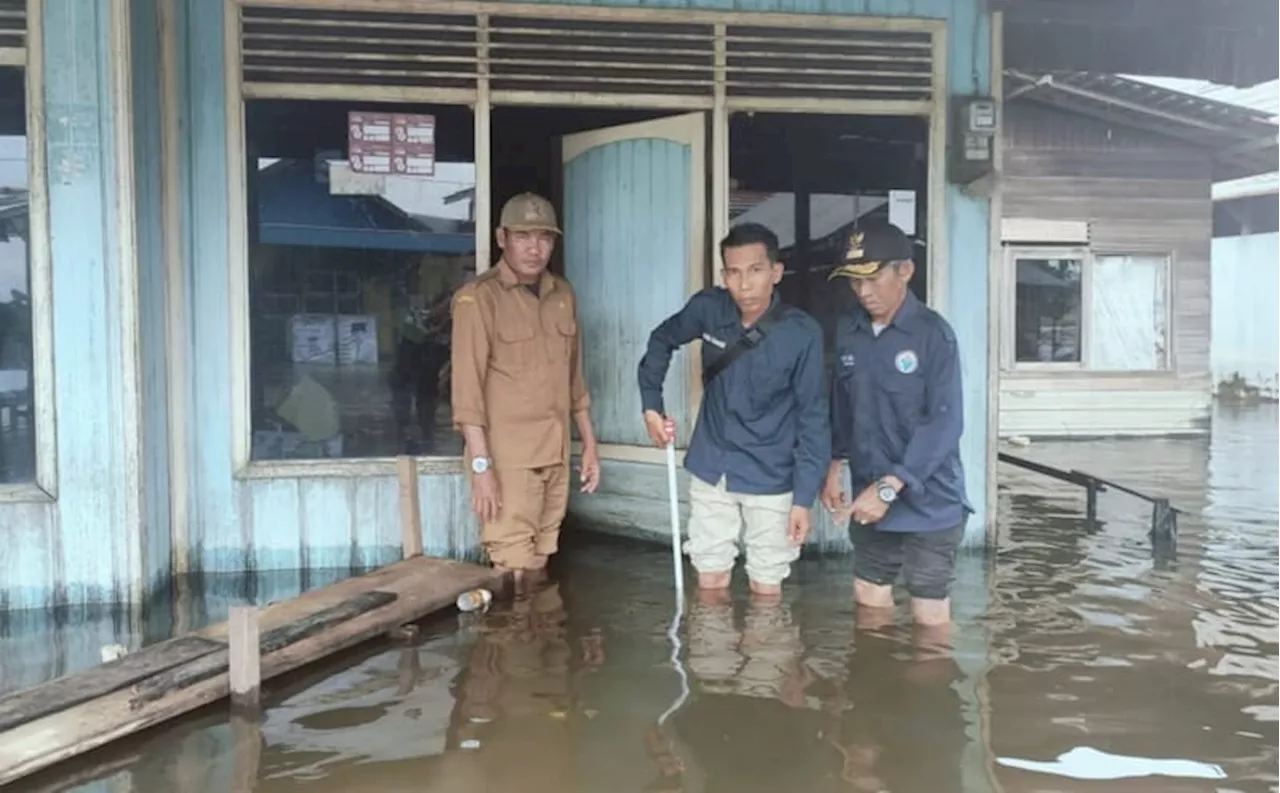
(897, 417)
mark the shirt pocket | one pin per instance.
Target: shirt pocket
(905, 397)
(566, 335)
(515, 350)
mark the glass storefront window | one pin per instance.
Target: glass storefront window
(350, 278)
(17, 415)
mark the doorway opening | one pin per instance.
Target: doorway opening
(632, 191)
(527, 153)
(814, 179)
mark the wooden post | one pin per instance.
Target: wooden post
(410, 508)
(246, 742)
(243, 657)
(1091, 502)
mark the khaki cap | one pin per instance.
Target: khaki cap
(528, 212)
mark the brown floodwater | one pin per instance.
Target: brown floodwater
(1071, 638)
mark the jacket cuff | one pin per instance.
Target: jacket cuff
(909, 480)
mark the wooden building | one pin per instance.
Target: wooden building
(1107, 229)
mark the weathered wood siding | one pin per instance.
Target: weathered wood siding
(1140, 193)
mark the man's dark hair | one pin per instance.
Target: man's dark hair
(751, 234)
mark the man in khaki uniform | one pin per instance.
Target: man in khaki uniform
(517, 380)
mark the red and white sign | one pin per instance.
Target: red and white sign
(397, 143)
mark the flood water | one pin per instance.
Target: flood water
(1070, 637)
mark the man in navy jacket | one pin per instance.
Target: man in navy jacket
(762, 441)
(896, 418)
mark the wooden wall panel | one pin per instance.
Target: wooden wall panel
(1139, 192)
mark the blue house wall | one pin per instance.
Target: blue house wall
(142, 492)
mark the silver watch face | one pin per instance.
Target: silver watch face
(479, 465)
(887, 494)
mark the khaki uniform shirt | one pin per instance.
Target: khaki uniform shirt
(517, 366)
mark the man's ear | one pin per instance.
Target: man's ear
(778, 271)
(907, 268)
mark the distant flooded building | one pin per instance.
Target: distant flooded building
(1109, 296)
(231, 229)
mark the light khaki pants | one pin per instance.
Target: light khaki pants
(718, 519)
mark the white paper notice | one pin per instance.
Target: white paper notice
(902, 210)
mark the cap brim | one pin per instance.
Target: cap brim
(857, 270)
(522, 227)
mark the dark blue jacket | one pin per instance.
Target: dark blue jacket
(763, 420)
(897, 408)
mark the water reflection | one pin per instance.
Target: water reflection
(1069, 638)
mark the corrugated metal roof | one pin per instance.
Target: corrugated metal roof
(1263, 96)
(1261, 184)
(1240, 140)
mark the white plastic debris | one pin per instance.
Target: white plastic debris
(1085, 762)
(470, 743)
(112, 652)
(474, 599)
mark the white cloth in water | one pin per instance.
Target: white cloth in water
(1084, 762)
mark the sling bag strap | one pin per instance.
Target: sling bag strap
(749, 340)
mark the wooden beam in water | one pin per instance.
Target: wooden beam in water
(420, 586)
(57, 695)
(217, 663)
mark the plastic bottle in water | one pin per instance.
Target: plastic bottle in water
(474, 599)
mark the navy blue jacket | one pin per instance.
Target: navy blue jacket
(897, 408)
(763, 420)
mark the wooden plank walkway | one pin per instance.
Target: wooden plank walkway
(47, 724)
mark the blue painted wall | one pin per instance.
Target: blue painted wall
(265, 524)
(105, 538)
(334, 522)
(155, 533)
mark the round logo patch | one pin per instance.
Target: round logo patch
(906, 361)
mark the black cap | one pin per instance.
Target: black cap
(872, 248)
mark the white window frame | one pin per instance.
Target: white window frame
(1088, 257)
(44, 488)
(1008, 346)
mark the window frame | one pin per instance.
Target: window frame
(480, 99)
(44, 487)
(243, 466)
(1009, 309)
(1088, 257)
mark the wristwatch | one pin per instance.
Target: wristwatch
(479, 465)
(886, 492)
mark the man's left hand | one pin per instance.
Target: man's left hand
(868, 508)
(798, 525)
(589, 468)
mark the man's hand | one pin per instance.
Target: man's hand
(590, 469)
(486, 500)
(798, 525)
(833, 496)
(662, 430)
(868, 508)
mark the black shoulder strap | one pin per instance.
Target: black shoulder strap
(747, 341)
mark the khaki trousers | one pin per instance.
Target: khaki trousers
(534, 501)
(718, 518)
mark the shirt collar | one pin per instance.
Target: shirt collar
(904, 318)
(507, 277)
